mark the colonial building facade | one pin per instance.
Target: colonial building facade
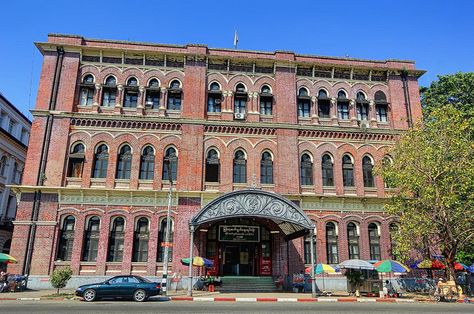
(259, 149)
(14, 136)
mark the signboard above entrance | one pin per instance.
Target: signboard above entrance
(239, 233)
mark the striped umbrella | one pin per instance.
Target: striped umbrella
(198, 261)
(390, 266)
(460, 266)
(5, 258)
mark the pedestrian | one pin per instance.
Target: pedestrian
(3, 281)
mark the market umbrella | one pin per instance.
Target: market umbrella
(471, 268)
(5, 258)
(198, 261)
(430, 264)
(322, 269)
(460, 266)
(390, 266)
(356, 264)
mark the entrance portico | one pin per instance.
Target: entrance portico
(242, 224)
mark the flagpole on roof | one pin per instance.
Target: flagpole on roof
(236, 39)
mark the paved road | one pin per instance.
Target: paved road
(225, 307)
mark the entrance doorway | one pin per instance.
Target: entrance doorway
(238, 259)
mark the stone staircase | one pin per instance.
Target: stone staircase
(247, 284)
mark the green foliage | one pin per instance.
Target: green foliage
(433, 176)
(355, 278)
(466, 255)
(456, 89)
(60, 277)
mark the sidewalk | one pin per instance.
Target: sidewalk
(204, 296)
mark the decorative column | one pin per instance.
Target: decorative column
(353, 112)
(118, 100)
(372, 116)
(140, 101)
(334, 118)
(313, 263)
(162, 108)
(252, 113)
(314, 110)
(97, 98)
(103, 245)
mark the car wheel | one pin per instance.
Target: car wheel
(89, 295)
(139, 295)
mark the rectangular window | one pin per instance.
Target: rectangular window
(86, 96)
(239, 105)
(152, 99)
(307, 249)
(266, 106)
(131, 99)
(363, 112)
(304, 108)
(214, 103)
(324, 107)
(108, 98)
(332, 253)
(11, 126)
(343, 110)
(174, 101)
(382, 113)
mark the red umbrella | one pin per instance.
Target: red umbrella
(431, 264)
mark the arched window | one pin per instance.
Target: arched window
(87, 91)
(304, 103)
(327, 170)
(266, 169)
(331, 243)
(109, 92)
(140, 241)
(381, 106)
(394, 229)
(240, 167)
(307, 248)
(170, 164)
(353, 241)
(214, 98)
(91, 240)
(324, 104)
(174, 95)
(342, 105)
(101, 160)
(76, 161)
(16, 173)
(374, 241)
(212, 166)
(347, 171)
(124, 163)
(162, 238)
(147, 164)
(3, 165)
(306, 170)
(362, 107)
(266, 101)
(116, 238)
(66, 239)
(131, 93)
(367, 167)
(153, 95)
(240, 99)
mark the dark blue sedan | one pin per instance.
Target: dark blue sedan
(135, 287)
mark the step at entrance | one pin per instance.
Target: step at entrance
(247, 284)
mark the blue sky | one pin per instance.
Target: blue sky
(438, 35)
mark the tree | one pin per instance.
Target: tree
(60, 277)
(456, 89)
(433, 176)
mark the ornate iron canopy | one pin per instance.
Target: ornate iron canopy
(255, 203)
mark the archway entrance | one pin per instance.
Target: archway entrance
(239, 227)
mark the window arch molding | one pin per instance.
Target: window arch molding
(266, 86)
(170, 84)
(115, 217)
(350, 156)
(387, 158)
(242, 150)
(336, 225)
(243, 84)
(213, 148)
(132, 77)
(380, 97)
(331, 156)
(154, 78)
(99, 145)
(372, 161)
(110, 76)
(136, 220)
(377, 224)
(73, 146)
(63, 219)
(124, 144)
(162, 218)
(171, 146)
(88, 219)
(209, 86)
(361, 92)
(85, 75)
(267, 150)
(307, 152)
(357, 225)
(342, 94)
(146, 146)
(303, 89)
(324, 89)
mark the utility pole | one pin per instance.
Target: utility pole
(167, 228)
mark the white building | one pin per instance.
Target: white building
(14, 136)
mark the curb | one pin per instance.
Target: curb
(322, 300)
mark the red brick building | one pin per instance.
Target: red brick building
(297, 135)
